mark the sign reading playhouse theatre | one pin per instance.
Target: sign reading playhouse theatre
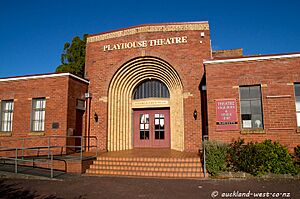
(145, 43)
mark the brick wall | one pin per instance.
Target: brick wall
(76, 91)
(227, 53)
(276, 77)
(60, 92)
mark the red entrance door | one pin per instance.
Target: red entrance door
(152, 128)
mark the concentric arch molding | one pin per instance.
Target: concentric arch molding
(149, 29)
(120, 107)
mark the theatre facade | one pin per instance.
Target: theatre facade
(144, 83)
(159, 86)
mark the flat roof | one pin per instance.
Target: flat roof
(252, 58)
(39, 76)
(145, 28)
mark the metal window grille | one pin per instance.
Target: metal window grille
(151, 88)
(38, 114)
(7, 108)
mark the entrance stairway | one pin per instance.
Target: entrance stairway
(166, 164)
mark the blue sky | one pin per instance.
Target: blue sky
(33, 32)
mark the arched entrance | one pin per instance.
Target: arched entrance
(122, 103)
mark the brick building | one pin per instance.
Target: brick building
(159, 86)
(39, 106)
(260, 95)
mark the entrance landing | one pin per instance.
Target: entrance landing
(150, 153)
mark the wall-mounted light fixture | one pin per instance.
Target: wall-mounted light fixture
(195, 114)
(88, 95)
(96, 118)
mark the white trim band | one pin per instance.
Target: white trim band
(79, 78)
(43, 76)
(251, 59)
(278, 96)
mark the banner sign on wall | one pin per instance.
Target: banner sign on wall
(226, 114)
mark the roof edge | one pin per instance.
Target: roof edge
(40, 76)
(253, 58)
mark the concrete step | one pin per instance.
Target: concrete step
(145, 174)
(147, 167)
(142, 168)
(147, 159)
(148, 164)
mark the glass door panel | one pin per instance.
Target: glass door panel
(144, 127)
(159, 126)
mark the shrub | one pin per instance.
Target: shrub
(297, 151)
(233, 155)
(265, 157)
(215, 153)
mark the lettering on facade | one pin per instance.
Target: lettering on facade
(226, 114)
(146, 43)
(139, 103)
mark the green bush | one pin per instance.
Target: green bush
(297, 151)
(233, 155)
(262, 158)
(253, 158)
(215, 153)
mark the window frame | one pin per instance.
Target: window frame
(11, 115)
(41, 120)
(249, 99)
(297, 111)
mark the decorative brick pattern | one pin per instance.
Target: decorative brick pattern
(120, 106)
(149, 29)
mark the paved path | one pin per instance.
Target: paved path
(109, 187)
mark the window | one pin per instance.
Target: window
(297, 98)
(251, 108)
(159, 120)
(38, 114)
(151, 88)
(7, 108)
(144, 127)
